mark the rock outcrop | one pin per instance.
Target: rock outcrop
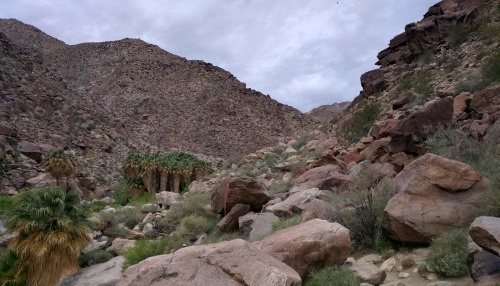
(308, 246)
(433, 195)
(231, 263)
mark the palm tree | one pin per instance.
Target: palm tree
(51, 229)
(60, 164)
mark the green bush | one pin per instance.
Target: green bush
(302, 140)
(458, 35)
(490, 70)
(192, 204)
(190, 228)
(283, 222)
(361, 122)
(144, 249)
(122, 193)
(96, 206)
(448, 254)
(460, 144)
(332, 276)
(94, 257)
(6, 203)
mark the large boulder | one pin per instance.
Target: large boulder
(239, 189)
(167, 199)
(229, 263)
(121, 245)
(324, 178)
(483, 266)
(434, 195)
(104, 274)
(30, 150)
(295, 203)
(229, 222)
(318, 209)
(485, 231)
(308, 246)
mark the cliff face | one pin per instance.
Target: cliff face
(153, 99)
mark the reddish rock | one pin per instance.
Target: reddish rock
(485, 231)
(7, 130)
(30, 150)
(324, 178)
(318, 209)
(229, 222)
(418, 124)
(352, 157)
(433, 195)
(88, 182)
(59, 141)
(461, 105)
(329, 157)
(308, 246)
(372, 82)
(239, 189)
(47, 149)
(486, 101)
(228, 263)
(295, 203)
(377, 148)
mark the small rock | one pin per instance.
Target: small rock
(403, 275)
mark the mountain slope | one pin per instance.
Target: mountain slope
(158, 100)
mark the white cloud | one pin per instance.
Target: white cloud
(302, 53)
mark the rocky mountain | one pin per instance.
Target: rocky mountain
(325, 113)
(152, 98)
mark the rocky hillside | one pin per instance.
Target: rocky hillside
(326, 113)
(152, 98)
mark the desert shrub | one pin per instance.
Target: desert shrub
(471, 83)
(423, 85)
(131, 222)
(216, 236)
(361, 122)
(96, 206)
(122, 215)
(448, 254)
(280, 186)
(284, 222)
(490, 70)
(302, 140)
(461, 145)
(144, 249)
(94, 257)
(190, 228)
(426, 57)
(192, 204)
(332, 276)
(271, 159)
(12, 272)
(122, 193)
(236, 159)
(361, 209)
(458, 35)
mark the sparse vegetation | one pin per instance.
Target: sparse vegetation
(332, 276)
(94, 257)
(12, 271)
(490, 70)
(361, 210)
(448, 254)
(280, 187)
(144, 249)
(302, 141)
(284, 222)
(458, 35)
(361, 122)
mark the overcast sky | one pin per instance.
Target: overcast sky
(304, 53)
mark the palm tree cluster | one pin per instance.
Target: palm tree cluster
(165, 172)
(51, 229)
(60, 164)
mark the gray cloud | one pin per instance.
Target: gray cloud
(301, 53)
